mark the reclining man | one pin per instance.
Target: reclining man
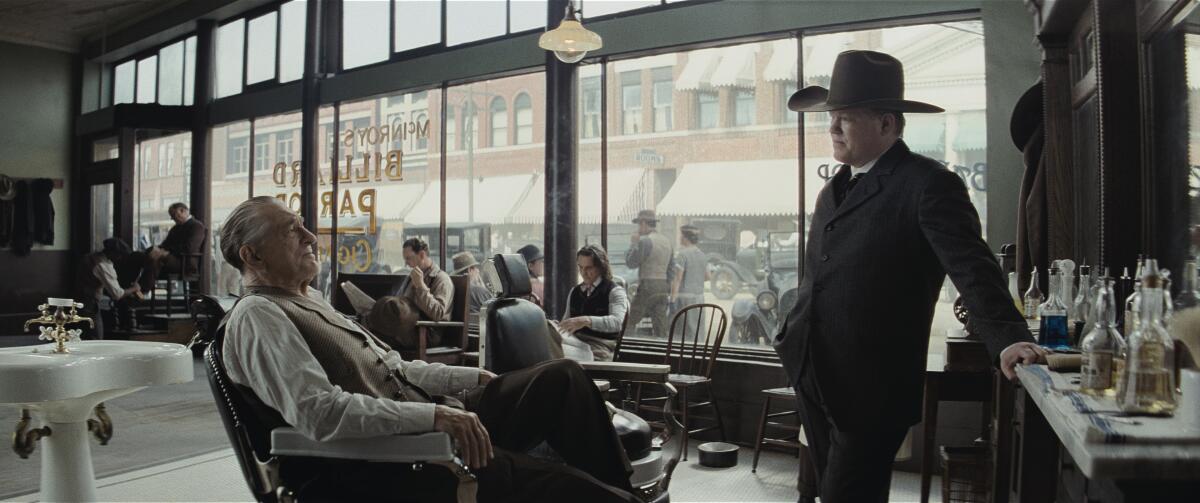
(428, 294)
(331, 379)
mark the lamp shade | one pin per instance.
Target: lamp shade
(570, 41)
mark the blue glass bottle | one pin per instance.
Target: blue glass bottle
(1053, 331)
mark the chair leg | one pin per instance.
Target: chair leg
(758, 439)
(170, 291)
(717, 411)
(687, 431)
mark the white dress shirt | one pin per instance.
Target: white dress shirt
(265, 351)
(107, 275)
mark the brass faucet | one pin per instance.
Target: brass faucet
(59, 319)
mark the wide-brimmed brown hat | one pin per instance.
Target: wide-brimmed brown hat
(861, 79)
(646, 216)
(462, 261)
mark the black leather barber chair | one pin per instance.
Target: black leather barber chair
(513, 336)
(280, 464)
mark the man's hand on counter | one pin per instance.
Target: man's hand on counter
(1026, 353)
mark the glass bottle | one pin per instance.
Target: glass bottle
(1100, 345)
(1066, 292)
(1052, 331)
(1131, 301)
(1084, 318)
(1168, 312)
(1188, 297)
(1146, 386)
(1014, 294)
(1033, 299)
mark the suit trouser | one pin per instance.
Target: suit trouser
(651, 300)
(851, 466)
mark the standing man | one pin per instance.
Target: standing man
(477, 293)
(887, 230)
(650, 252)
(687, 287)
(537, 268)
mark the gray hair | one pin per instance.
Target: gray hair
(244, 226)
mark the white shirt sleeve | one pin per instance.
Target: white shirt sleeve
(108, 278)
(265, 351)
(618, 304)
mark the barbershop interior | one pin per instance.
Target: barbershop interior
(605, 250)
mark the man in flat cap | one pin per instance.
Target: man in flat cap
(888, 228)
(651, 253)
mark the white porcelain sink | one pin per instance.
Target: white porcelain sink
(63, 388)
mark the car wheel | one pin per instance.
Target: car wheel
(724, 283)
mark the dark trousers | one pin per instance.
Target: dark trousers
(557, 403)
(851, 466)
(651, 300)
(553, 402)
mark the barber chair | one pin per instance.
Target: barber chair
(206, 314)
(280, 464)
(512, 336)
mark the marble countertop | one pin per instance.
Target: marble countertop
(1171, 451)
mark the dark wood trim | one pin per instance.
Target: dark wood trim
(201, 177)
(561, 229)
(1158, 16)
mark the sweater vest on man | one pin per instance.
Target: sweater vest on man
(341, 348)
(595, 304)
(655, 265)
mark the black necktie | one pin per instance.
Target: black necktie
(841, 195)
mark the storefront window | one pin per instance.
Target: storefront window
(124, 84)
(230, 38)
(738, 185)
(159, 187)
(419, 23)
(260, 48)
(147, 72)
(494, 197)
(382, 176)
(471, 20)
(527, 15)
(364, 33)
(291, 40)
(228, 189)
(170, 77)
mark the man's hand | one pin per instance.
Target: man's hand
(485, 376)
(574, 324)
(417, 278)
(156, 253)
(1027, 353)
(474, 444)
(633, 239)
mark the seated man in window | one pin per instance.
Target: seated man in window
(331, 379)
(185, 237)
(428, 294)
(97, 277)
(595, 308)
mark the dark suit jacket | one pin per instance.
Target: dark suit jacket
(187, 237)
(873, 269)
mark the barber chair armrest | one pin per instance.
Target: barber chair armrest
(415, 448)
(440, 324)
(627, 371)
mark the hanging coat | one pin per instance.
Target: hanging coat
(22, 230)
(43, 211)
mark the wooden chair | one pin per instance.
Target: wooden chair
(453, 332)
(691, 357)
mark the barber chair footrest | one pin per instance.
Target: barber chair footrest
(418, 448)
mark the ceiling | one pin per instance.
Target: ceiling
(63, 24)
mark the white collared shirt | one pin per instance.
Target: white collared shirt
(265, 351)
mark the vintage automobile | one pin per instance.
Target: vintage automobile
(473, 237)
(733, 267)
(380, 253)
(755, 321)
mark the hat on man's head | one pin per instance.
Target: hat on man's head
(531, 253)
(1026, 115)
(861, 79)
(646, 216)
(463, 260)
(116, 246)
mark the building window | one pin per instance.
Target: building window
(743, 107)
(663, 87)
(170, 159)
(283, 147)
(470, 119)
(523, 106)
(785, 114)
(146, 161)
(422, 140)
(499, 114)
(239, 156)
(451, 131)
(589, 96)
(708, 110)
(186, 153)
(262, 153)
(631, 102)
(396, 124)
(162, 160)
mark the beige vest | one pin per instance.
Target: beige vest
(655, 265)
(341, 348)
